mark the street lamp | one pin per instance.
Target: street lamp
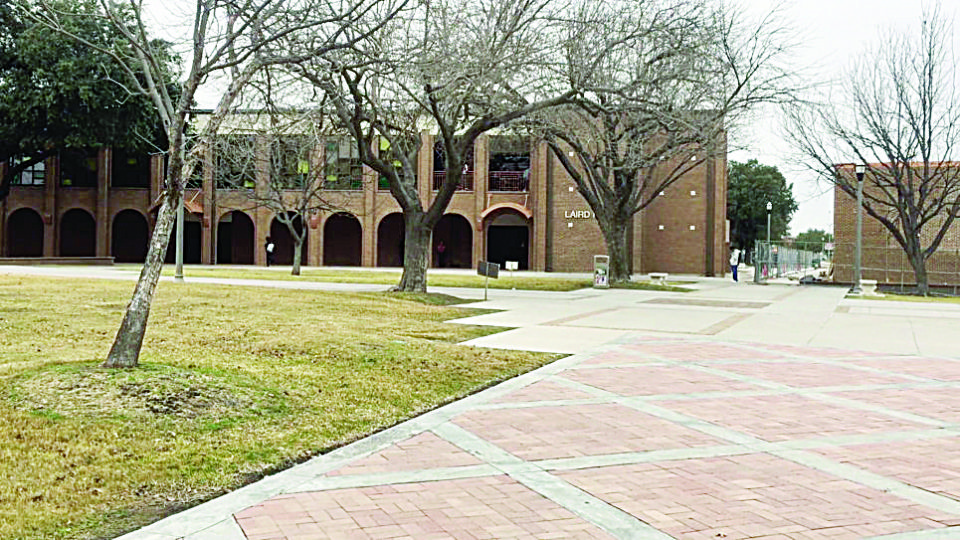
(859, 169)
(769, 208)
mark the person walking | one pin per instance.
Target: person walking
(734, 262)
(441, 252)
(269, 247)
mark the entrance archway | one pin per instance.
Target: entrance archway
(235, 239)
(191, 241)
(342, 240)
(78, 234)
(283, 241)
(24, 234)
(508, 238)
(390, 240)
(131, 237)
(457, 237)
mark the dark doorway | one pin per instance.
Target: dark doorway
(25, 234)
(131, 237)
(235, 237)
(283, 241)
(457, 237)
(78, 234)
(342, 240)
(191, 241)
(508, 239)
(390, 240)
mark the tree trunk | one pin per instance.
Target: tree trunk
(615, 235)
(920, 273)
(125, 352)
(416, 254)
(297, 254)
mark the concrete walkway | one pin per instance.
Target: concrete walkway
(737, 411)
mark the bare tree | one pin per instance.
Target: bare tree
(231, 39)
(659, 83)
(898, 115)
(288, 146)
(458, 67)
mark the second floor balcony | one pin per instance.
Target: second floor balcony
(515, 181)
(466, 181)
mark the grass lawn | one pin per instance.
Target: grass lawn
(434, 279)
(235, 383)
(911, 298)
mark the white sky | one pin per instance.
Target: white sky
(832, 34)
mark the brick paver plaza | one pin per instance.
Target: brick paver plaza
(656, 438)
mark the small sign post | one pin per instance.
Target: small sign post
(511, 266)
(488, 270)
(601, 270)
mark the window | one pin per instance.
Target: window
(130, 169)
(290, 162)
(388, 153)
(235, 158)
(342, 169)
(78, 168)
(509, 165)
(32, 175)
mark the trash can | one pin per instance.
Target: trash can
(601, 272)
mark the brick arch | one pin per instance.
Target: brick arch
(130, 238)
(526, 212)
(342, 240)
(236, 238)
(78, 233)
(455, 232)
(24, 233)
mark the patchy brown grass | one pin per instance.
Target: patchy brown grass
(236, 382)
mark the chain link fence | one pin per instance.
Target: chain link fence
(797, 260)
(891, 267)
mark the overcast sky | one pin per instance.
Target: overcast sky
(832, 34)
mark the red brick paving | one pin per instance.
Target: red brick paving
(424, 451)
(483, 508)
(931, 368)
(582, 430)
(543, 391)
(701, 350)
(748, 497)
(651, 380)
(787, 417)
(938, 403)
(800, 374)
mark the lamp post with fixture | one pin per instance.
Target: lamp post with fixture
(857, 276)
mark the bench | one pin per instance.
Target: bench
(659, 277)
(869, 287)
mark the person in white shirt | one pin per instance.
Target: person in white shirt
(734, 261)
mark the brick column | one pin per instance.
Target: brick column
(104, 175)
(49, 214)
(538, 203)
(261, 216)
(208, 223)
(368, 234)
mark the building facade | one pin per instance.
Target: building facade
(516, 203)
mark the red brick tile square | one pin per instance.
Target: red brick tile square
(652, 380)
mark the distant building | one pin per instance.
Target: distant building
(516, 203)
(882, 258)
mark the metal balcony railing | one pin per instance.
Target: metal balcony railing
(466, 181)
(508, 181)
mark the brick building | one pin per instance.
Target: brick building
(516, 203)
(882, 258)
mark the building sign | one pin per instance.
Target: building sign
(578, 214)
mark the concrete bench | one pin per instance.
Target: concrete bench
(869, 287)
(659, 277)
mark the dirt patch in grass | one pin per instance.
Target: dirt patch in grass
(79, 390)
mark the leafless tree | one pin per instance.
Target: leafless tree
(287, 147)
(660, 82)
(898, 114)
(234, 40)
(457, 67)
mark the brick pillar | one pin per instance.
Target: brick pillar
(4, 244)
(539, 152)
(49, 214)
(104, 175)
(261, 216)
(315, 236)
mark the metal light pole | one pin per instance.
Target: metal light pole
(769, 247)
(859, 169)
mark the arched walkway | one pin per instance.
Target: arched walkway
(130, 238)
(342, 240)
(508, 238)
(235, 239)
(24, 234)
(78, 234)
(191, 241)
(283, 241)
(455, 232)
(390, 240)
